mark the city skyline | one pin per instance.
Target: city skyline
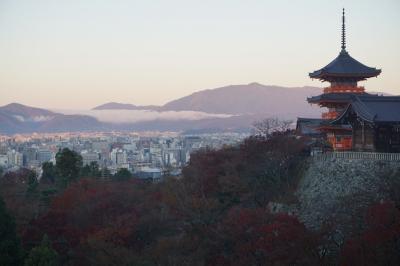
(81, 54)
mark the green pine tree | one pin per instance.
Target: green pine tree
(68, 165)
(10, 248)
(122, 175)
(42, 255)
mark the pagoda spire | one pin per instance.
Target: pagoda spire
(343, 33)
(344, 70)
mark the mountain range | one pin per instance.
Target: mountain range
(124, 106)
(253, 98)
(18, 118)
(243, 104)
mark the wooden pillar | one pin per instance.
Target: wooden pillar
(352, 136)
(390, 142)
(363, 135)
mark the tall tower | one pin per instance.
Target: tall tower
(343, 74)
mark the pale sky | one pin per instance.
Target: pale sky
(76, 54)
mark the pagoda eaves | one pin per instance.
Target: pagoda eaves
(345, 68)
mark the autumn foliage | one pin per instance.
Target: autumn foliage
(379, 242)
(215, 214)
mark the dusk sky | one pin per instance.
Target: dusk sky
(77, 54)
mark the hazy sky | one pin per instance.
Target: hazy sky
(81, 53)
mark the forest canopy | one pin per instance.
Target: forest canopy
(217, 213)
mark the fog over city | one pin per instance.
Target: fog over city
(132, 116)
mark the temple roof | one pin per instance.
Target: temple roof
(345, 66)
(377, 109)
(336, 97)
(309, 126)
(314, 127)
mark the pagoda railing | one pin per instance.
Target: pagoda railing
(351, 155)
(330, 115)
(344, 89)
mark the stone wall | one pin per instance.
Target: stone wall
(339, 190)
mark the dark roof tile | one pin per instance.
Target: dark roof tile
(375, 109)
(345, 66)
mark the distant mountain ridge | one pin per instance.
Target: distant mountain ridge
(253, 98)
(18, 118)
(244, 104)
(25, 111)
(124, 106)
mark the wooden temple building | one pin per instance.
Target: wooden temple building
(355, 120)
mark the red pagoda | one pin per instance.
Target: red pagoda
(342, 73)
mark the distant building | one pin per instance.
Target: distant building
(170, 157)
(101, 145)
(4, 160)
(185, 156)
(149, 173)
(118, 157)
(130, 147)
(30, 154)
(15, 158)
(89, 157)
(45, 156)
(156, 155)
(3, 149)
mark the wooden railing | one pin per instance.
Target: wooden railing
(382, 156)
(330, 115)
(344, 89)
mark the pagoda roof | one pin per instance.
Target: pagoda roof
(377, 109)
(326, 127)
(345, 66)
(336, 97)
(309, 126)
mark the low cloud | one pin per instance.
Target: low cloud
(133, 116)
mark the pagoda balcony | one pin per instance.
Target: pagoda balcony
(330, 115)
(344, 89)
(342, 143)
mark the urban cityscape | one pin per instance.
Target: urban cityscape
(146, 155)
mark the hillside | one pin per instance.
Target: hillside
(23, 112)
(124, 106)
(253, 98)
(18, 118)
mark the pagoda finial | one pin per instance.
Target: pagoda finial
(343, 33)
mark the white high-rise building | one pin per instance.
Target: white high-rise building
(15, 158)
(118, 157)
(89, 157)
(3, 160)
(45, 156)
